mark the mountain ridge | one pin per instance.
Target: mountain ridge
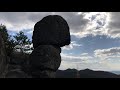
(85, 73)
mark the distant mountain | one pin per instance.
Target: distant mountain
(116, 72)
(87, 73)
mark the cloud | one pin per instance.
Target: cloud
(102, 59)
(84, 61)
(84, 54)
(30, 32)
(78, 58)
(115, 20)
(26, 20)
(96, 25)
(81, 24)
(100, 23)
(73, 45)
(72, 61)
(114, 25)
(83, 64)
(76, 21)
(17, 21)
(108, 53)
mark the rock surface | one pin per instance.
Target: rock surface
(18, 66)
(45, 61)
(51, 30)
(49, 35)
(3, 57)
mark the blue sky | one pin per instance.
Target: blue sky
(95, 37)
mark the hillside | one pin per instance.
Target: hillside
(87, 73)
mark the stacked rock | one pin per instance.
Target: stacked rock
(49, 35)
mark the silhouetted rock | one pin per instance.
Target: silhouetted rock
(19, 58)
(3, 57)
(50, 33)
(51, 30)
(18, 65)
(16, 73)
(45, 61)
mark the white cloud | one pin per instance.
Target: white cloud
(84, 54)
(68, 47)
(65, 65)
(81, 24)
(30, 32)
(16, 21)
(100, 23)
(72, 45)
(78, 58)
(96, 25)
(85, 61)
(110, 52)
(103, 59)
(109, 57)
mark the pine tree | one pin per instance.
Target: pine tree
(21, 39)
(9, 43)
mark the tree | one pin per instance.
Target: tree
(21, 39)
(4, 33)
(9, 43)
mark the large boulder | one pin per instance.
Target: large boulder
(45, 61)
(49, 35)
(51, 30)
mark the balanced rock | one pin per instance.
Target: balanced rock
(45, 61)
(51, 30)
(49, 35)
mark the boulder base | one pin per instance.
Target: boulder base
(45, 61)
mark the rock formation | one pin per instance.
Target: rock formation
(49, 35)
(18, 66)
(51, 30)
(3, 57)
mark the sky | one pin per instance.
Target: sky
(95, 37)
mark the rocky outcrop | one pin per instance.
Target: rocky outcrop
(49, 35)
(44, 61)
(15, 71)
(3, 58)
(51, 30)
(18, 66)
